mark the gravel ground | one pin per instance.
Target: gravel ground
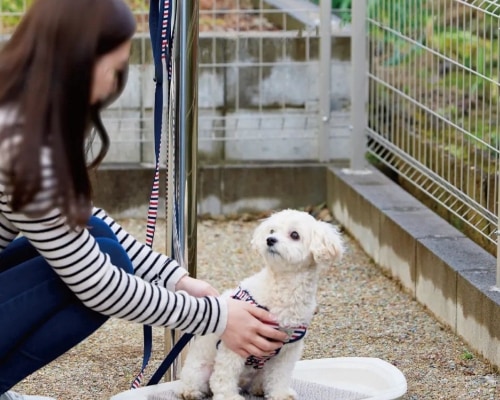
(361, 313)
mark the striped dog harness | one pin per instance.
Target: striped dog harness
(294, 333)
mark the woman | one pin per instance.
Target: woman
(66, 266)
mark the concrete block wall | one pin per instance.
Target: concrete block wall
(445, 271)
(124, 190)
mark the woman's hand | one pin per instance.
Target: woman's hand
(245, 332)
(195, 287)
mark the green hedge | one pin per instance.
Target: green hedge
(11, 11)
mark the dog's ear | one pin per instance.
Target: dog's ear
(259, 233)
(326, 243)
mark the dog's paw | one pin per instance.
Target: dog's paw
(225, 396)
(256, 389)
(192, 394)
(288, 394)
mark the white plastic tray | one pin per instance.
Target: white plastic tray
(376, 378)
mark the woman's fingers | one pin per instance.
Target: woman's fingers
(251, 349)
(246, 334)
(196, 287)
(267, 330)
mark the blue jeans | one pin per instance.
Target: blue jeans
(40, 318)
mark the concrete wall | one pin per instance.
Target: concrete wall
(124, 190)
(444, 270)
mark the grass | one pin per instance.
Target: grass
(467, 355)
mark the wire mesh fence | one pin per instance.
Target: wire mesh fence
(260, 81)
(433, 109)
(10, 14)
(433, 105)
(433, 93)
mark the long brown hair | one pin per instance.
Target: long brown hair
(46, 72)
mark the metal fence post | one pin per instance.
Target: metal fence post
(498, 214)
(359, 85)
(498, 231)
(325, 26)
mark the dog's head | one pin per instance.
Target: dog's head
(292, 239)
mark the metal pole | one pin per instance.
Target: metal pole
(187, 123)
(498, 222)
(359, 84)
(186, 142)
(498, 233)
(325, 33)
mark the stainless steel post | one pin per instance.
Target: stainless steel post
(187, 125)
(183, 120)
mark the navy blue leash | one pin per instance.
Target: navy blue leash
(160, 27)
(169, 360)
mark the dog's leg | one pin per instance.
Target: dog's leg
(278, 373)
(226, 375)
(197, 368)
(256, 387)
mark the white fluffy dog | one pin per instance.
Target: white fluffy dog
(294, 246)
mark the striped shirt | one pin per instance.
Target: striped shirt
(147, 297)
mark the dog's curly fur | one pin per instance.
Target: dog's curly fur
(294, 246)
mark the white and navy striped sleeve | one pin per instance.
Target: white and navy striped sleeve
(147, 297)
(148, 264)
(76, 257)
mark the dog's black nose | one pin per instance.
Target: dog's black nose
(271, 241)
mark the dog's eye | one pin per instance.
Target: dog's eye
(294, 235)
(271, 231)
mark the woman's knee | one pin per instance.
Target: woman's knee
(117, 253)
(17, 252)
